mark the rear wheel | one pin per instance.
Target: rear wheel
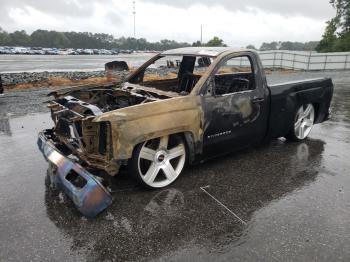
(158, 162)
(303, 123)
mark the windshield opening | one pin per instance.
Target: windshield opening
(173, 73)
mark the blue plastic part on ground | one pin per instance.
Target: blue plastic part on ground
(90, 197)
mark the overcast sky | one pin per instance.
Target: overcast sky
(238, 22)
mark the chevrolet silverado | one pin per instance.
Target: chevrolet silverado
(182, 106)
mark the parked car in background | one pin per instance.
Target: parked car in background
(59, 51)
(38, 51)
(87, 52)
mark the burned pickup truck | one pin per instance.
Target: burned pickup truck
(182, 106)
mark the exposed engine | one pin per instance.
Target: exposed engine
(98, 101)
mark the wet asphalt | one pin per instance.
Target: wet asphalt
(279, 202)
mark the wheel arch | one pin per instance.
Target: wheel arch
(188, 137)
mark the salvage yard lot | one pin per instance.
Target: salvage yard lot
(282, 201)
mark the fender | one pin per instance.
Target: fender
(136, 124)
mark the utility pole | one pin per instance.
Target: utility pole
(134, 13)
(201, 34)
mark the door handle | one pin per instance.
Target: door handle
(258, 100)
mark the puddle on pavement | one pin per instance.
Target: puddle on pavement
(5, 126)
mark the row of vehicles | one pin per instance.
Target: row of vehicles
(9, 50)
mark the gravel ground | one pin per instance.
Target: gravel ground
(37, 77)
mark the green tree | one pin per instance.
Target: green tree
(197, 43)
(329, 38)
(19, 38)
(288, 45)
(251, 47)
(216, 41)
(43, 38)
(4, 38)
(343, 15)
(269, 46)
(337, 33)
(311, 46)
(39, 38)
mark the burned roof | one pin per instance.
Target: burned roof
(201, 51)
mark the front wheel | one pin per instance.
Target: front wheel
(158, 162)
(303, 123)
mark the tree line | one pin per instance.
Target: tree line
(287, 45)
(83, 40)
(86, 40)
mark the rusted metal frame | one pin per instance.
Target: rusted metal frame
(147, 89)
(172, 94)
(143, 67)
(76, 133)
(94, 96)
(67, 90)
(94, 109)
(72, 123)
(91, 160)
(63, 109)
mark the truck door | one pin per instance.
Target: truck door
(235, 105)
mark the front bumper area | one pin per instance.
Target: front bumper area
(89, 195)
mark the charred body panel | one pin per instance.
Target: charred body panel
(133, 125)
(236, 118)
(215, 112)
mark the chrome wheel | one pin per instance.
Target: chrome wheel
(161, 161)
(304, 121)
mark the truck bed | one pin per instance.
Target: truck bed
(285, 97)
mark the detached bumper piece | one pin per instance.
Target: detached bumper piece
(88, 194)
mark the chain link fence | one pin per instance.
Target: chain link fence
(309, 61)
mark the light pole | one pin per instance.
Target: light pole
(134, 13)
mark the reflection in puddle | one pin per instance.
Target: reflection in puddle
(149, 224)
(303, 152)
(5, 126)
(167, 202)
